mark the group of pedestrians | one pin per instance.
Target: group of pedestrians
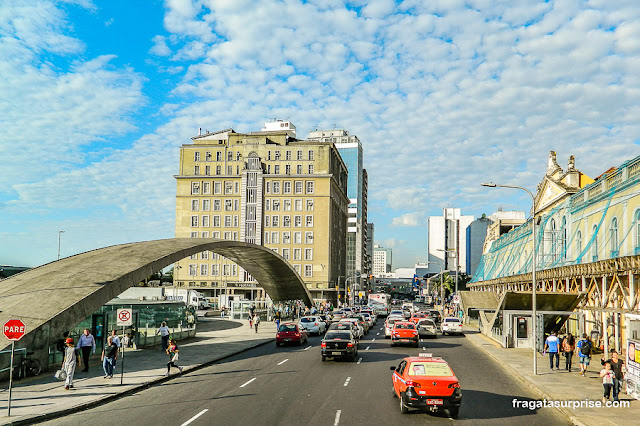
(612, 373)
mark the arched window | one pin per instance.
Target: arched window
(594, 243)
(563, 249)
(554, 243)
(636, 225)
(613, 237)
(578, 244)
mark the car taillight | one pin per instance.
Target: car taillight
(349, 345)
(315, 323)
(454, 385)
(297, 334)
(323, 345)
(413, 384)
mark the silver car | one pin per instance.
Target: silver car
(427, 328)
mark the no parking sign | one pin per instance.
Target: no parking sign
(124, 317)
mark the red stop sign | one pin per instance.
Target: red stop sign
(14, 329)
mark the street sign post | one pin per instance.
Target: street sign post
(13, 330)
(124, 317)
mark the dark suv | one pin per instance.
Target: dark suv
(339, 344)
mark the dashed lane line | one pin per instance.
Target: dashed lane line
(337, 420)
(367, 348)
(347, 381)
(195, 417)
(308, 347)
(360, 360)
(243, 385)
(282, 362)
(377, 334)
(373, 340)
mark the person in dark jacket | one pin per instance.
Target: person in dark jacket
(109, 357)
(616, 366)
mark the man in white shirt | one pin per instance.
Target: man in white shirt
(163, 331)
(114, 338)
(87, 345)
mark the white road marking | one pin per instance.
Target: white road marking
(367, 348)
(347, 381)
(308, 347)
(360, 360)
(337, 420)
(195, 417)
(373, 339)
(377, 334)
(247, 382)
(424, 349)
(382, 328)
(282, 362)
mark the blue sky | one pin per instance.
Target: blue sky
(97, 97)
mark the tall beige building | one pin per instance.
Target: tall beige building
(265, 188)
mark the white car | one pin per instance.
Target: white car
(357, 323)
(313, 325)
(397, 312)
(451, 325)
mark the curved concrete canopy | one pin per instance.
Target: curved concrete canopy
(55, 297)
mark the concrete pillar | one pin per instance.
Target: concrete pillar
(555, 285)
(605, 337)
(567, 285)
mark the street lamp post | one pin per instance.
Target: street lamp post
(533, 267)
(59, 234)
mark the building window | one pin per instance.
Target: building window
(195, 188)
(215, 270)
(206, 205)
(310, 155)
(236, 205)
(299, 169)
(308, 237)
(267, 221)
(564, 230)
(286, 205)
(268, 155)
(229, 170)
(196, 156)
(237, 187)
(297, 221)
(297, 253)
(298, 205)
(276, 155)
(196, 170)
(308, 254)
(227, 221)
(594, 243)
(227, 236)
(299, 157)
(218, 170)
(275, 205)
(226, 270)
(309, 187)
(205, 254)
(206, 188)
(267, 187)
(275, 237)
(194, 235)
(266, 237)
(238, 156)
(234, 270)
(228, 205)
(286, 237)
(276, 169)
(207, 170)
(235, 221)
(287, 169)
(217, 187)
(298, 187)
(230, 156)
(216, 221)
(309, 205)
(205, 221)
(267, 205)
(613, 237)
(578, 244)
(296, 268)
(194, 220)
(287, 155)
(286, 187)
(207, 156)
(228, 187)
(203, 269)
(219, 156)
(194, 205)
(275, 221)
(309, 221)
(297, 238)
(308, 270)
(286, 221)
(216, 205)
(310, 169)
(276, 187)
(285, 253)
(193, 270)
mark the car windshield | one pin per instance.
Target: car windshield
(288, 327)
(336, 335)
(451, 320)
(391, 321)
(426, 322)
(406, 326)
(437, 369)
(307, 319)
(340, 326)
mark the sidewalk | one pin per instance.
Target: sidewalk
(44, 397)
(560, 385)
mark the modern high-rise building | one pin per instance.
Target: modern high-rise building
(350, 149)
(447, 239)
(476, 234)
(265, 188)
(369, 245)
(382, 260)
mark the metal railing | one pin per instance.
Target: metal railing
(15, 362)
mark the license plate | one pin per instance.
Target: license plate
(336, 353)
(287, 340)
(434, 402)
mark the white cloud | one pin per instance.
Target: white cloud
(160, 47)
(409, 219)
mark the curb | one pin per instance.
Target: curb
(109, 398)
(515, 374)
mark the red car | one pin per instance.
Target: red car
(290, 332)
(426, 383)
(404, 332)
(417, 317)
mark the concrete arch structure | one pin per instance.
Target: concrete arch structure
(54, 297)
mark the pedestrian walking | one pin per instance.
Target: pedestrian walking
(173, 353)
(87, 346)
(109, 357)
(617, 366)
(256, 322)
(116, 339)
(222, 312)
(568, 346)
(608, 377)
(163, 331)
(552, 346)
(69, 363)
(584, 353)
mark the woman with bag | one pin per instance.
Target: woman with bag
(69, 363)
(172, 351)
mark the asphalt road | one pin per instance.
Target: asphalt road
(292, 386)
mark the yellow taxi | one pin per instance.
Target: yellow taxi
(425, 383)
